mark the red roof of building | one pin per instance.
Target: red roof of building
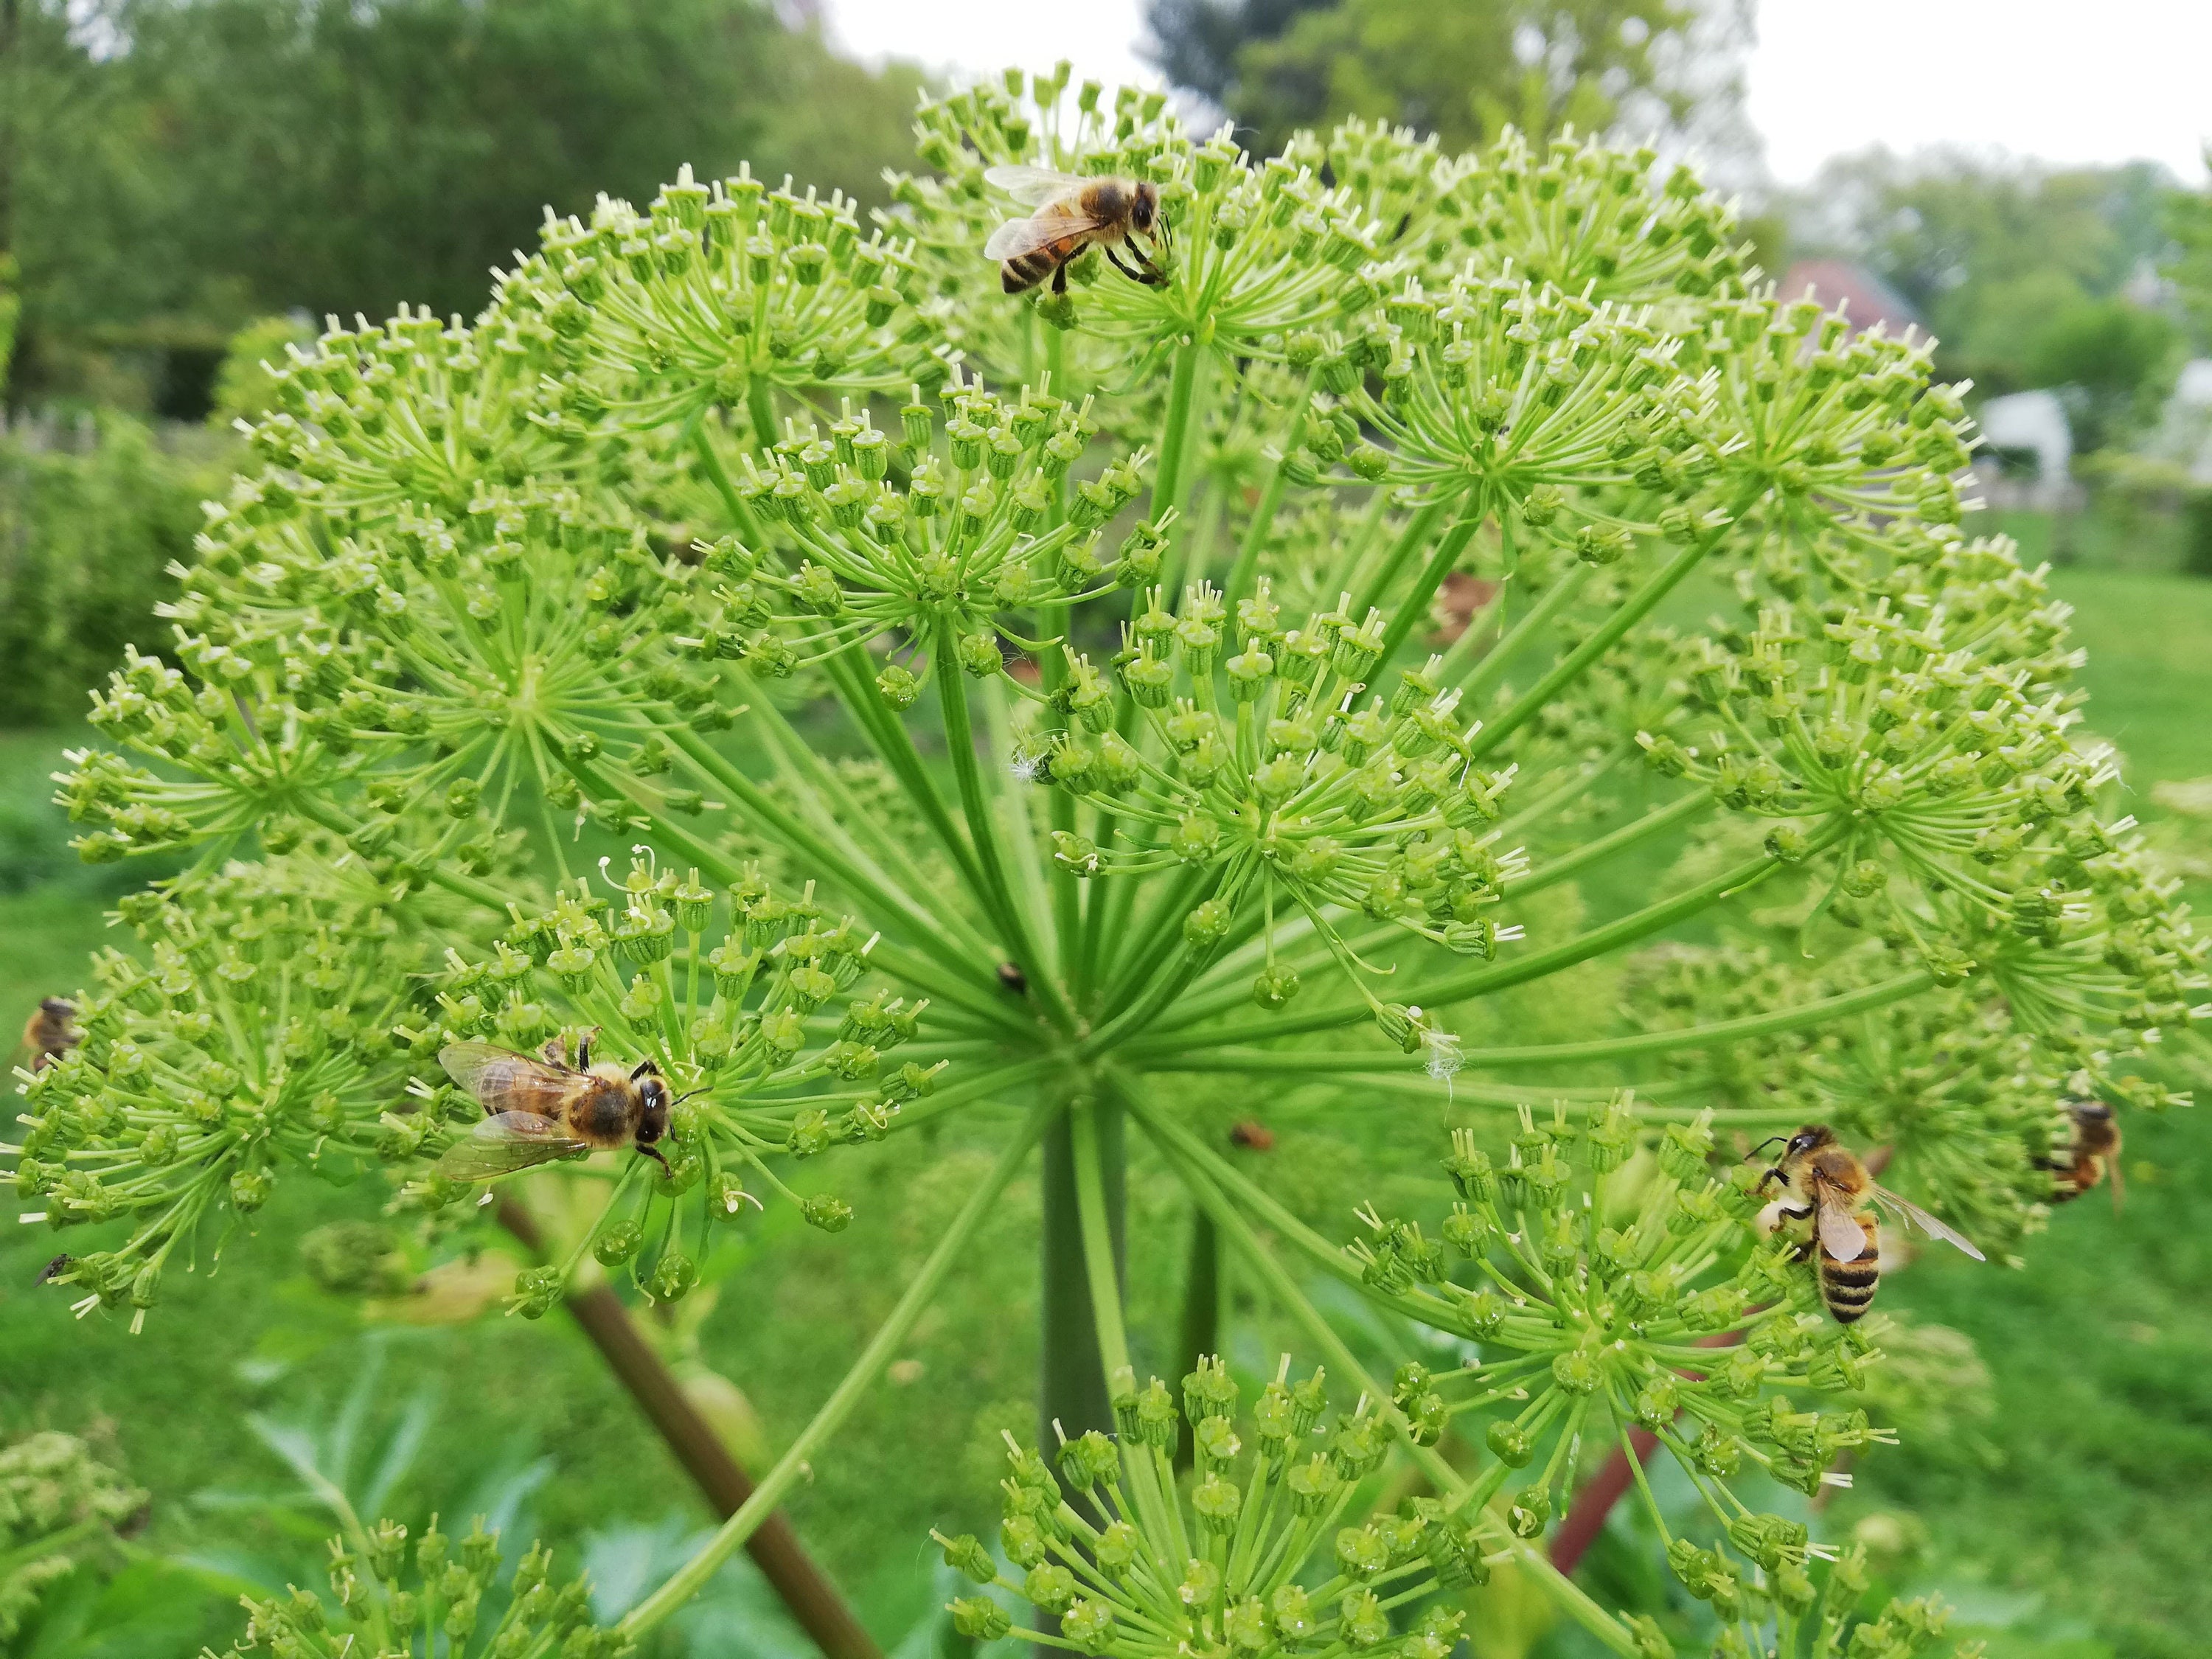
(1866, 300)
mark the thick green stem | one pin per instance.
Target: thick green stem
(1242, 573)
(1378, 581)
(1077, 1308)
(976, 802)
(1201, 1313)
(1415, 608)
(1175, 435)
(760, 404)
(689, 1579)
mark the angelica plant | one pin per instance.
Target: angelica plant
(1160, 756)
(430, 1597)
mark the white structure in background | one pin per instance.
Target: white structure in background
(2185, 433)
(2028, 423)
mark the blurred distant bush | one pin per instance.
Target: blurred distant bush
(86, 534)
(187, 166)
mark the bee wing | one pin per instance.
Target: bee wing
(1018, 236)
(514, 1082)
(1841, 1236)
(501, 1145)
(1913, 1216)
(1031, 187)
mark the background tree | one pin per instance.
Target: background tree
(2189, 224)
(1465, 70)
(2027, 277)
(338, 158)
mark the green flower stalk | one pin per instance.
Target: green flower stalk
(1287, 671)
(438, 1595)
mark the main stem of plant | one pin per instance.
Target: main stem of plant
(1072, 1368)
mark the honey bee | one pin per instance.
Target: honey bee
(2095, 1154)
(538, 1111)
(1073, 214)
(1824, 1179)
(1253, 1136)
(50, 1032)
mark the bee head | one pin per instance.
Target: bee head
(1145, 210)
(1811, 1138)
(652, 1122)
(2089, 1111)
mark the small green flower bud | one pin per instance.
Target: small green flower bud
(831, 1215)
(1276, 985)
(966, 1554)
(1509, 1445)
(979, 1619)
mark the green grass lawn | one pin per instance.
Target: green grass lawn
(2072, 1522)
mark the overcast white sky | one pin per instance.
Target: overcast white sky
(2061, 80)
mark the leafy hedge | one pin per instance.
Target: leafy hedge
(85, 542)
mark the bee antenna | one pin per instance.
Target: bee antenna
(688, 1093)
(1762, 1146)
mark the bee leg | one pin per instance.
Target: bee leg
(1107, 249)
(655, 1154)
(1060, 278)
(644, 1068)
(1152, 276)
(584, 1049)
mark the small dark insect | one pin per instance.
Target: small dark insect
(51, 1031)
(1257, 1137)
(52, 1270)
(1013, 979)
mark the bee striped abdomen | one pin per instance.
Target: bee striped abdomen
(1848, 1287)
(1029, 270)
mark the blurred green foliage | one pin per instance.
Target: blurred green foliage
(1465, 72)
(2027, 277)
(185, 166)
(89, 522)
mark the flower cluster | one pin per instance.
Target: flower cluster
(1131, 1566)
(1579, 215)
(442, 1593)
(58, 1504)
(253, 1040)
(721, 293)
(1292, 794)
(1257, 251)
(937, 556)
(1607, 1286)
(741, 1001)
(569, 570)
(1919, 755)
